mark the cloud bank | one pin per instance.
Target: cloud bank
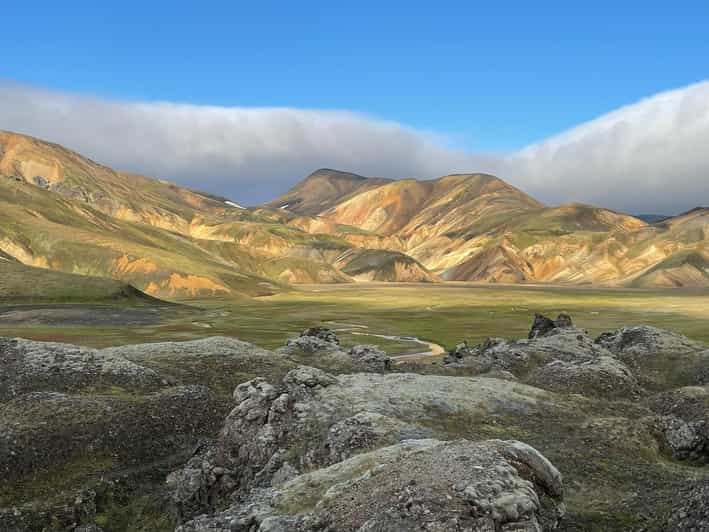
(647, 157)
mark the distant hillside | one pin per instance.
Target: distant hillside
(321, 190)
(62, 211)
(24, 284)
(476, 227)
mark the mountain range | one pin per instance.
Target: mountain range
(64, 212)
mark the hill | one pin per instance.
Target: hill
(323, 189)
(26, 284)
(476, 227)
(62, 211)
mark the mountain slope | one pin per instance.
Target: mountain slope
(61, 211)
(323, 189)
(438, 206)
(476, 227)
(24, 284)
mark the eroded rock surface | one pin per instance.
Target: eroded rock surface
(692, 513)
(644, 340)
(683, 440)
(599, 376)
(313, 419)
(27, 366)
(414, 485)
(560, 357)
(320, 344)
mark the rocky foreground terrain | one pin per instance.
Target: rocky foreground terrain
(557, 431)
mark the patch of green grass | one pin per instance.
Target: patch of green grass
(441, 313)
(24, 284)
(52, 485)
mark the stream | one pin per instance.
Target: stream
(356, 329)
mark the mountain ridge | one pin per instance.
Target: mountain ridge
(62, 211)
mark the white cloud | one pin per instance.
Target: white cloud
(650, 156)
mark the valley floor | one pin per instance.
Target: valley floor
(444, 314)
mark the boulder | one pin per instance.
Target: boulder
(543, 325)
(313, 340)
(314, 419)
(645, 340)
(414, 485)
(29, 366)
(323, 333)
(683, 440)
(602, 376)
(371, 357)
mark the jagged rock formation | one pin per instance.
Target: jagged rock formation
(322, 344)
(272, 445)
(559, 357)
(415, 485)
(314, 419)
(543, 325)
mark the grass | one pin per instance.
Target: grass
(25, 284)
(441, 313)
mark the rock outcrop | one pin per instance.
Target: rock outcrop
(543, 325)
(601, 376)
(683, 440)
(314, 419)
(556, 356)
(29, 366)
(321, 345)
(644, 340)
(414, 485)
(560, 357)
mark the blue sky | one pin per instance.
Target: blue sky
(492, 75)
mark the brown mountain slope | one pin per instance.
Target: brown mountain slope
(475, 227)
(61, 211)
(323, 189)
(122, 195)
(430, 208)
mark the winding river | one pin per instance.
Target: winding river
(356, 329)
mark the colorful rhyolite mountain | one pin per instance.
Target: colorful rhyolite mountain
(62, 211)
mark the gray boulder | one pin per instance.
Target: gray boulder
(645, 340)
(491, 485)
(683, 440)
(603, 376)
(371, 357)
(314, 419)
(34, 366)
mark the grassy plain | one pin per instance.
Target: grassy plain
(441, 313)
